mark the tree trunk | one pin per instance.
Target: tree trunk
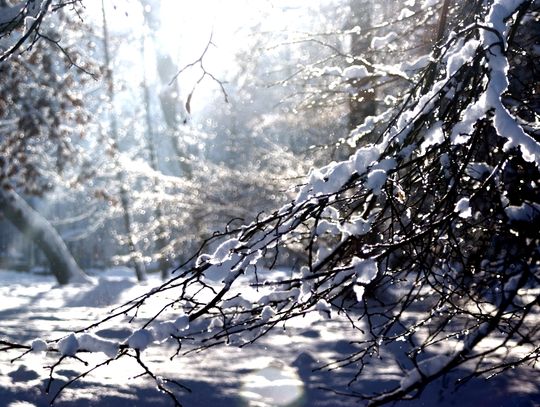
(138, 265)
(160, 243)
(362, 102)
(170, 99)
(36, 228)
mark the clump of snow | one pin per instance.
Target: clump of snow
(478, 170)
(221, 261)
(426, 368)
(330, 70)
(327, 180)
(69, 345)
(340, 277)
(218, 272)
(505, 125)
(325, 226)
(21, 404)
(92, 343)
(526, 212)
(365, 269)
(463, 208)
(461, 131)
(405, 13)
(413, 66)
(364, 157)
(434, 136)
(203, 258)
(355, 227)
(223, 252)
(306, 286)
(215, 323)
(367, 126)
(402, 127)
(39, 345)
(461, 56)
(382, 42)
(237, 302)
(445, 162)
(355, 72)
(140, 339)
(513, 283)
(359, 292)
(330, 212)
(277, 296)
(163, 331)
(324, 309)
(388, 164)
(375, 180)
(267, 313)
(407, 151)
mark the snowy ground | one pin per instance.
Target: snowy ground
(277, 371)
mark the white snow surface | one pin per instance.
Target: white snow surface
(216, 376)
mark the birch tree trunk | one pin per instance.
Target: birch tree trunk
(36, 228)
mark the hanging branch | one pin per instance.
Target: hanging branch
(200, 63)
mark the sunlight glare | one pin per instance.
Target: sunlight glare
(274, 385)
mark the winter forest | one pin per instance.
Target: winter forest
(269, 203)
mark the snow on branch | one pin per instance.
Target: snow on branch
(31, 13)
